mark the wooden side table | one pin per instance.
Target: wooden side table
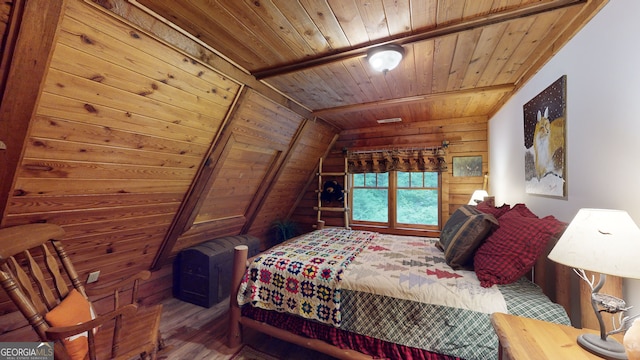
(523, 338)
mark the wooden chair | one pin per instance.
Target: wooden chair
(28, 252)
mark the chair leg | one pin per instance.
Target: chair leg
(161, 342)
(152, 355)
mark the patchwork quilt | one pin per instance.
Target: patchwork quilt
(303, 277)
(392, 288)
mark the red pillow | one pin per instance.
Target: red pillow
(512, 249)
(523, 210)
(495, 211)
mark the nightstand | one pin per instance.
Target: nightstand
(523, 338)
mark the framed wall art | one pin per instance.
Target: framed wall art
(467, 166)
(544, 141)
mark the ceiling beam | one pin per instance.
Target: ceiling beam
(29, 48)
(412, 99)
(453, 28)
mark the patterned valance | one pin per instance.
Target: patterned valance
(410, 160)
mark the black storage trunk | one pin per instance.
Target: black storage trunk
(202, 273)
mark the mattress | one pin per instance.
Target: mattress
(397, 289)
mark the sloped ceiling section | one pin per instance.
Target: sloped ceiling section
(463, 58)
(313, 141)
(245, 161)
(141, 145)
(121, 128)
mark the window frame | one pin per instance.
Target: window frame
(392, 189)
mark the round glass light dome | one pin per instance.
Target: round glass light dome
(385, 58)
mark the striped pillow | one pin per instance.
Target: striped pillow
(462, 235)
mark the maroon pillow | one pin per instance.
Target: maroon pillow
(495, 211)
(523, 210)
(512, 249)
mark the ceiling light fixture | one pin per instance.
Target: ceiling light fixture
(386, 57)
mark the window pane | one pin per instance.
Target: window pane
(431, 179)
(370, 205)
(416, 180)
(370, 180)
(403, 179)
(358, 179)
(383, 180)
(418, 207)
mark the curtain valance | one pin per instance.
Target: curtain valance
(410, 160)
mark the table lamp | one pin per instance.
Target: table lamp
(477, 197)
(606, 242)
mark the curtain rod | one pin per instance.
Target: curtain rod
(425, 148)
(444, 145)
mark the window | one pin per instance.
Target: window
(396, 199)
(370, 197)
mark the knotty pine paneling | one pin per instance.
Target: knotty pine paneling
(299, 168)
(466, 136)
(193, 45)
(461, 58)
(121, 128)
(248, 157)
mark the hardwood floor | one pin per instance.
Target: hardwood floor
(194, 332)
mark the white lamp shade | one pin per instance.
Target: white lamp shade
(385, 58)
(602, 241)
(477, 196)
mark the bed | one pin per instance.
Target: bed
(358, 294)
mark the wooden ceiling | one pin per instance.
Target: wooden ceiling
(462, 57)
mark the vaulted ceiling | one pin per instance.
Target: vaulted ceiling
(462, 57)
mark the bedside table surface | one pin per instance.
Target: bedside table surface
(524, 338)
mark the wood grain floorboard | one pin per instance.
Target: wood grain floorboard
(193, 332)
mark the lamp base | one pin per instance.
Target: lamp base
(608, 349)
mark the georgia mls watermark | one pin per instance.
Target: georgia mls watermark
(26, 351)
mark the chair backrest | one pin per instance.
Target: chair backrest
(35, 271)
(37, 274)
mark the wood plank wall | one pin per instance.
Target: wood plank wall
(301, 166)
(253, 165)
(124, 128)
(466, 137)
(121, 128)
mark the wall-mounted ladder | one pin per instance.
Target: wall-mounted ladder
(345, 191)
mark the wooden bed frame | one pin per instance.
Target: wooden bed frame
(553, 279)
